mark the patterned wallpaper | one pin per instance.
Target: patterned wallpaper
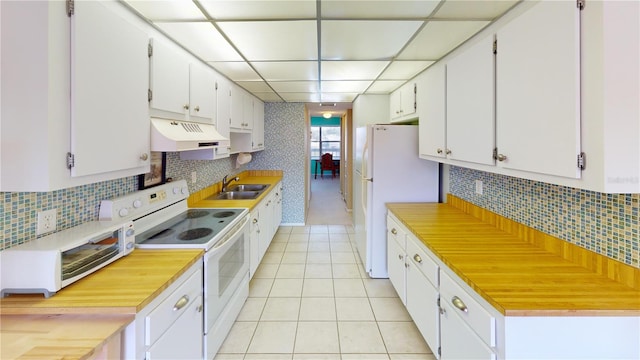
(605, 223)
(284, 140)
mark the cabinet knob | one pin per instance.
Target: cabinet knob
(448, 152)
(501, 157)
(400, 257)
(197, 108)
(417, 258)
(144, 157)
(439, 151)
(185, 106)
(459, 304)
(394, 231)
(182, 302)
(255, 221)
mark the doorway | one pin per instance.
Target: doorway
(329, 195)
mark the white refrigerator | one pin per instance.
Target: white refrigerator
(387, 169)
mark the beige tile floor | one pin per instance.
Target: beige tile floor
(310, 299)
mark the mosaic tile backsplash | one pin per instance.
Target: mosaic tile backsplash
(607, 224)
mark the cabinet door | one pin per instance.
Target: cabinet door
(470, 104)
(202, 93)
(408, 103)
(169, 81)
(257, 133)
(254, 246)
(538, 90)
(396, 268)
(237, 107)
(109, 81)
(432, 111)
(458, 341)
(394, 104)
(247, 111)
(183, 340)
(223, 113)
(266, 219)
(422, 305)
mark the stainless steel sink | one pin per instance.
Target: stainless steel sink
(249, 187)
(236, 195)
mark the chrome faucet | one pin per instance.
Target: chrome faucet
(225, 183)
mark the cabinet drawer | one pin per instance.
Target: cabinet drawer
(422, 261)
(395, 232)
(474, 314)
(165, 314)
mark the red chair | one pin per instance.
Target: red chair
(326, 163)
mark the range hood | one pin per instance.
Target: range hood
(175, 135)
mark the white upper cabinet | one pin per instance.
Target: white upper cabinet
(470, 103)
(169, 83)
(104, 126)
(202, 93)
(257, 133)
(238, 103)
(538, 90)
(432, 98)
(223, 112)
(180, 89)
(402, 102)
(109, 74)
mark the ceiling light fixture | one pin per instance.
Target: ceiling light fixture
(325, 104)
(326, 115)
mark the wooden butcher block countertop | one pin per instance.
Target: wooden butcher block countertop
(516, 277)
(124, 287)
(270, 177)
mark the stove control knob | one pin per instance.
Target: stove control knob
(123, 212)
(137, 203)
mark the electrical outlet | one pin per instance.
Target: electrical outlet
(193, 177)
(47, 221)
(479, 187)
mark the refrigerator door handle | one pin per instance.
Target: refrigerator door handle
(367, 179)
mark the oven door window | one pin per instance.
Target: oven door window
(229, 265)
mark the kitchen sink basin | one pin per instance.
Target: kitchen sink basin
(248, 187)
(236, 195)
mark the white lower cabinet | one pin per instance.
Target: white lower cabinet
(458, 339)
(265, 219)
(173, 343)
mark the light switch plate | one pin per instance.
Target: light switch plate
(479, 187)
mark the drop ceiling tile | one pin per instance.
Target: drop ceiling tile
(384, 86)
(344, 86)
(365, 40)
(289, 70)
(352, 70)
(274, 40)
(377, 9)
(294, 86)
(268, 96)
(300, 97)
(167, 9)
(236, 71)
(404, 70)
(264, 9)
(255, 86)
(465, 9)
(437, 38)
(338, 97)
(202, 39)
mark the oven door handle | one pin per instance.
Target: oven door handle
(224, 240)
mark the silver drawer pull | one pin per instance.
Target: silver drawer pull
(400, 257)
(417, 258)
(182, 302)
(458, 303)
(394, 231)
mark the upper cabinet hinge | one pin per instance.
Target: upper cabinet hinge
(439, 350)
(70, 8)
(150, 50)
(216, 85)
(495, 47)
(495, 153)
(149, 95)
(581, 4)
(582, 161)
(71, 160)
(415, 97)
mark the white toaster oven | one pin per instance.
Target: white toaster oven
(48, 264)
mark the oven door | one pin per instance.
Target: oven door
(226, 265)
